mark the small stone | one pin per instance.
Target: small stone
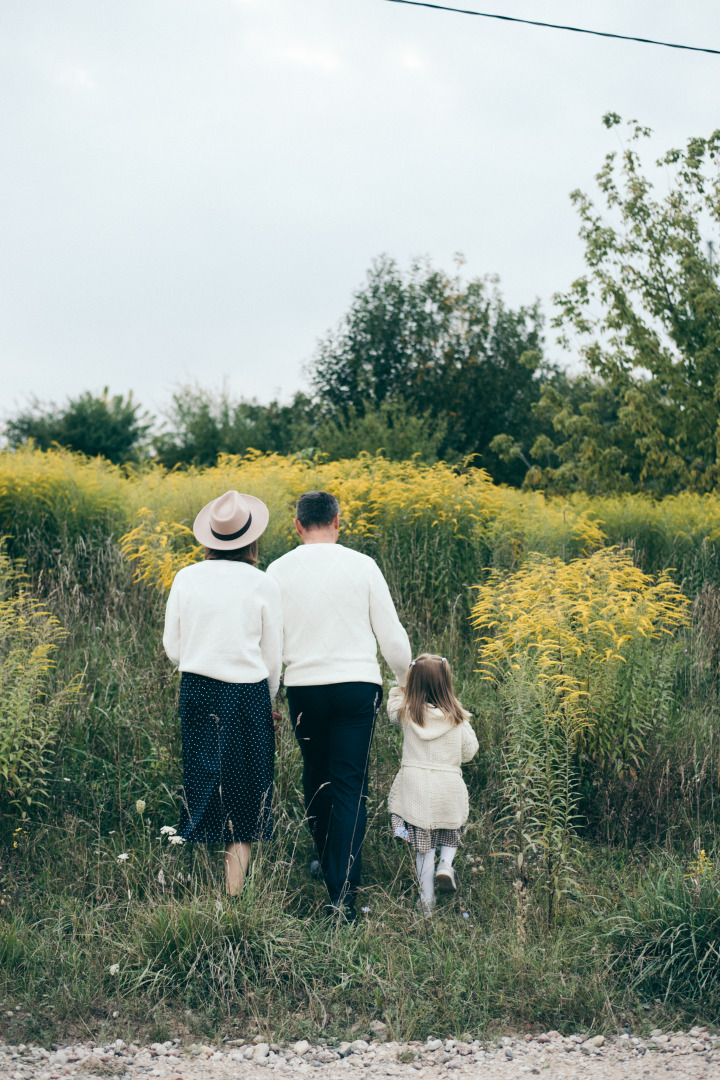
(119, 1045)
(261, 1051)
(378, 1027)
(433, 1044)
(598, 1040)
(508, 1053)
(528, 1038)
(247, 1054)
(302, 1046)
(543, 1039)
(553, 1034)
(360, 1046)
(344, 1049)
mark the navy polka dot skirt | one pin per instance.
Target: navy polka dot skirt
(228, 745)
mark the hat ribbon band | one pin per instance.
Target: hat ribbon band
(235, 535)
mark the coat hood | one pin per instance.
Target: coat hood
(436, 724)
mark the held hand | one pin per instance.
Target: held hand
(277, 717)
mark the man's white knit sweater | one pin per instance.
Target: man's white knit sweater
(337, 609)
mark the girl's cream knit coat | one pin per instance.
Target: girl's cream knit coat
(429, 791)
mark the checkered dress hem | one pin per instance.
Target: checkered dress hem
(424, 840)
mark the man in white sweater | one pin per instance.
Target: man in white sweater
(337, 609)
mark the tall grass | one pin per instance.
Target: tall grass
(188, 962)
(667, 932)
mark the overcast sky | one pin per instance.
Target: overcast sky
(192, 189)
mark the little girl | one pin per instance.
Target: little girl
(428, 801)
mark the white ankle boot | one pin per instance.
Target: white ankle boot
(445, 877)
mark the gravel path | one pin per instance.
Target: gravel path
(694, 1054)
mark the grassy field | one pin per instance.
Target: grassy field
(147, 946)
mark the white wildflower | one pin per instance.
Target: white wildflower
(176, 840)
(167, 830)
(161, 876)
(114, 969)
(140, 806)
(124, 857)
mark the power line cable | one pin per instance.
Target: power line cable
(555, 26)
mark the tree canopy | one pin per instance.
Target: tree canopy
(111, 427)
(448, 350)
(645, 318)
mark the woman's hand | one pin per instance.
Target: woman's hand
(277, 717)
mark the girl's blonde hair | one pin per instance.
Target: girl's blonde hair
(430, 683)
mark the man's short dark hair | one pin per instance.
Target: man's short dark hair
(317, 509)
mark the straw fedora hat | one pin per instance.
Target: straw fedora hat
(232, 521)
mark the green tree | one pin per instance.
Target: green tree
(449, 351)
(110, 427)
(201, 424)
(647, 315)
(389, 428)
(588, 447)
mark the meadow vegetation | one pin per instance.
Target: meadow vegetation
(589, 877)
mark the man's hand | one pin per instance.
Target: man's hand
(277, 717)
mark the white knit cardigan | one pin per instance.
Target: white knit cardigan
(429, 791)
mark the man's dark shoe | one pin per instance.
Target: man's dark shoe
(342, 913)
(316, 870)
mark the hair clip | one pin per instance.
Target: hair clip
(412, 663)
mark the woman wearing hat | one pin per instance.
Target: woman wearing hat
(223, 629)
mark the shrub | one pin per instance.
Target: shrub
(583, 631)
(572, 649)
(433, 528)
(30, 706)
(50, 495)
(108, 426)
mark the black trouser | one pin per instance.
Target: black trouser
(334, 727)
